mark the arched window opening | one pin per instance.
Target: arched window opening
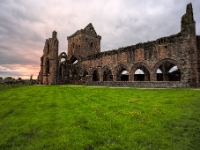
(123, 74)
(174, 74)
(107, 75)
(159, 75)
(62, 60)
(73, 45)
(168, 72)
(141, 74)
(91, 44)
(74, 60)
(95, 76)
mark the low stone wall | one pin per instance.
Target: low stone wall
(160, 84)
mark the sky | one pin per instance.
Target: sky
(26, 24)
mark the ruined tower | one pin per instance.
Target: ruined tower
(49, 61)
(83, 43)
(188, 26)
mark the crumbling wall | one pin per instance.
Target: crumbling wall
(148, 55)
(162, 84)
(178, 50)
(49, 61)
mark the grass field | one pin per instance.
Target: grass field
(94, 118)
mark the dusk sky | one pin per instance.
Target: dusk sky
(26, 24)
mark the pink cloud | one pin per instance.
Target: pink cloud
(23, 71)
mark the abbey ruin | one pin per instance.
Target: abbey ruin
(172, 61)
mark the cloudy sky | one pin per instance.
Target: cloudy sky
(25, 24)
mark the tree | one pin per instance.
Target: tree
(9, 80)
(19, 79)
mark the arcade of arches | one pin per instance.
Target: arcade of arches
(163, 71)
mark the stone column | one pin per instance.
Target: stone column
(131, 77)
(153, 76)
(114, 78)
(101, 78)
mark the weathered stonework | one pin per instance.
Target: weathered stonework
(82, 43)
(161, 84)
(49, 61)
(144, 64)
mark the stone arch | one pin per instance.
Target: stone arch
(164, 66)
(145, 76)
(107, 74)
(120, 76)
(62, 55)
(62, 60)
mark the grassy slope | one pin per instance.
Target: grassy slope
(56, 117)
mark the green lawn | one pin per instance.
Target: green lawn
(93, 118)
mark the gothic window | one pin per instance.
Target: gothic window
(122, 74)
(168, 72)
(141, 74)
